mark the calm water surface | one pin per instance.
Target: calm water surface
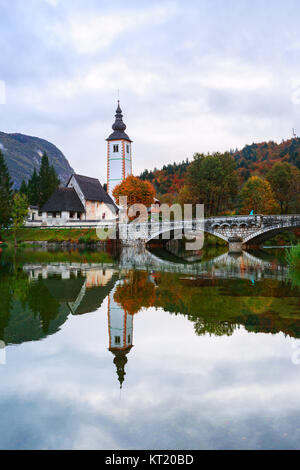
(149, 351)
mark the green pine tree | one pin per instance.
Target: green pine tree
(6, 194)
(48, 181)
(33, 189)
(53, 180)
(24, 188)
(44, 174)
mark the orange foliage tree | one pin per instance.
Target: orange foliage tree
(257, 195)
(136, 190)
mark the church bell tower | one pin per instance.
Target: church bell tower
(119, 157)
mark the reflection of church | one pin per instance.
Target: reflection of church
(120, 330)
(78, 290)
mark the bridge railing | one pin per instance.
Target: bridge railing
(281, 220)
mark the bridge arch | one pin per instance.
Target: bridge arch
(157, 235)
(262, 236)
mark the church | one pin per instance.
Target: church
(83, 199)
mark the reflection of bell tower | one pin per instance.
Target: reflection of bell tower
(120, 330)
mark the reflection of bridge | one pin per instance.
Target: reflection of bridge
(242, 265)
(236, 230)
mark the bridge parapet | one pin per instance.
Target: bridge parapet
(234, 221)
(242, 228)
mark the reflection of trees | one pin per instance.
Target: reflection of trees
(136, 292)
(6, 296)
(23, 304)
(14, 285)
(216, 328)
(42, 304)
(217, 306)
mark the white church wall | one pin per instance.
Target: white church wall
(116, 170)
(127, 167)
(118, 162)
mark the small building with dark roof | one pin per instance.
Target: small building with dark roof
(82, 199)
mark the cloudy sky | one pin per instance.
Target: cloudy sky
(194, 75)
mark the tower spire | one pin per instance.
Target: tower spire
(119, 157)
(119, 124)
(120, 360)
(119, 127)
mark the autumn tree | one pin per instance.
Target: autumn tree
(211, 180)
(6, 194)
(257, 196)
(136, 190)
(285, 182)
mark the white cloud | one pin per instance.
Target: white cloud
(231, 75)
(54, 3)
(2, 92)
(109, 75)
(93, 33)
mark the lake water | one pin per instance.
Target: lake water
(147, 351)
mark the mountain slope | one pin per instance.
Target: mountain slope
(23, 153)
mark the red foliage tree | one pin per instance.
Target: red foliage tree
(136, 190)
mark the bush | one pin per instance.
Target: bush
(87, 240)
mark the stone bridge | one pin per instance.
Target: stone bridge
(239, 231)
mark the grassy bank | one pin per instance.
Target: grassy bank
(23, 256)
(293, 257)
(73, 235)
(52, 235)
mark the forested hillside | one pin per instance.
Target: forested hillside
(169, 179)
(252, 160)
(258, 159)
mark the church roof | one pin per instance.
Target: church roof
(119, 127)
(63, 199)
(92, 190)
